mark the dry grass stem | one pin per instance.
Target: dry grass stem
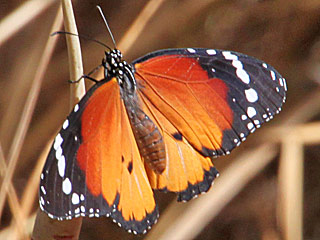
(6, 233)
(139, 24)
(21, 17)
(307, 133)
(291, 188)
(12, 196)
(77, 90)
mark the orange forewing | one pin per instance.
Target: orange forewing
(182, 91)
(109, 156)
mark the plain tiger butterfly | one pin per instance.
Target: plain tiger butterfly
(155, 124)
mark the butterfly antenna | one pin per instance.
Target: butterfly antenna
(106, 23)
(81, 36)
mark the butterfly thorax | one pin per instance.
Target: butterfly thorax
(114, 66)
(147, 135)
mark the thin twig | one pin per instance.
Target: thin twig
(139, 24)
(6, 233)
(21, 17)
(12, 196)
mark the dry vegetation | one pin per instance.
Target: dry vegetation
(269, 188)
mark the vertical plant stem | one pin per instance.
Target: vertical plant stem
(291, 187)
(77, 90)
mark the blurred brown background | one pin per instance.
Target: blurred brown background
(285, 34)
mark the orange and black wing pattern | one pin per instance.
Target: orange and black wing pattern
(205, 102)
(94, 167)
(155, 124)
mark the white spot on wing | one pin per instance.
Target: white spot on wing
(237, 64)
(82, 208)
(241, 73)
(65, 124)
(191, 50)
(76, 108)
(250, 126)
(251, 95)
(284, 84)
(75, 199)
(229, 56)
(244, 117)
(264, 65)
(43, 190)
(251, 112)
(281, 82)
(57, 141)
(59, 153)
(82, 197)
(66, 186)
(61, 166)
(41, 201)
(273, 75)
(211, 51)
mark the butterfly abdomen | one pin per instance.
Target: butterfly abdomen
(148, 138)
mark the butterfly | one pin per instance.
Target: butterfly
(155, 124)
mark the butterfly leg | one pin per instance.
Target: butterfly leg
(87, 76)
(84, 76)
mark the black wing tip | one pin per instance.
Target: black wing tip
(194, 190)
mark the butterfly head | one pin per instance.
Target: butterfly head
(116, 67)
